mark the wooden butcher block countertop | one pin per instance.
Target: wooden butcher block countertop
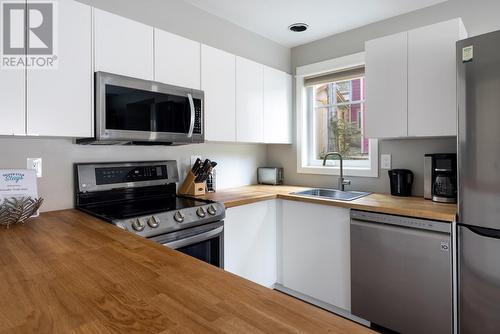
(404, 206)
(67, 272)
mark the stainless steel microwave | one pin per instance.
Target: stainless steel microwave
(135, 111)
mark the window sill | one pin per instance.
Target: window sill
(348, 171)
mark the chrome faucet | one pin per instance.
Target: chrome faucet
(341, 181)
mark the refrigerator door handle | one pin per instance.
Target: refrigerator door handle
(484, 232)
(479, 281)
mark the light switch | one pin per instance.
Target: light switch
(385, 161)
(36, 164)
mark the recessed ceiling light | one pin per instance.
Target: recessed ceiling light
(298, 27)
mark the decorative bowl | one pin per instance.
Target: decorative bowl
(18, 210)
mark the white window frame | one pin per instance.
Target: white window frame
(304, 166)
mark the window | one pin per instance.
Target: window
(332, 118)
(337, 113)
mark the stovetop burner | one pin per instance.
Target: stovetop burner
(142, 207)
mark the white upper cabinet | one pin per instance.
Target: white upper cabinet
(123, 46)
(432, 106)
(244, 101)
(60, 100)
(177, 60)
(13, 96)
(218, 81)
(249, 101)
(277, 106)
(12, 105)
(411, 82)
(386, 86)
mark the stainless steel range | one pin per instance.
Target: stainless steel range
(140, 197)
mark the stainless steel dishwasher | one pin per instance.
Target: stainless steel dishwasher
(401, 272)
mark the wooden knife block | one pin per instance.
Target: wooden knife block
(190, 187)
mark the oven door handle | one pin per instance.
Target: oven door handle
(194, 239)
(193, 113)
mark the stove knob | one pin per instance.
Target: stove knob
(201, 212)
(153, 222)
(138, 225)
(121, 225)
(178, 217)
(212, 210)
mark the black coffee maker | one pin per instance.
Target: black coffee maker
(401, 182)
(440, 177)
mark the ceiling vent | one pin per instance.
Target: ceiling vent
(298, 27)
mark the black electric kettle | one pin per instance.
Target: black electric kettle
(401, 182)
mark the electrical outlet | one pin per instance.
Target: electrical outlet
(385, 161)
(36, 164)
(193, 159)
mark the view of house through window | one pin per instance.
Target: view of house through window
(338, 117)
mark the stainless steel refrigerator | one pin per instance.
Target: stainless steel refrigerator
(478, 63)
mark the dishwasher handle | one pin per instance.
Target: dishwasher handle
(409, 222)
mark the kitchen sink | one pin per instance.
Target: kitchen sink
(332, 194)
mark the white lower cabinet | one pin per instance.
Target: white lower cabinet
(302, 246)
(250, 242)
(314, 252)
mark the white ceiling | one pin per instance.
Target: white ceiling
(271, 18)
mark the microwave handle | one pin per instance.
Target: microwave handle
(191, 125)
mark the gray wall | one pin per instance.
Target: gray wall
(479, 16)
(186, 20)
(237, 162)
(407, 154)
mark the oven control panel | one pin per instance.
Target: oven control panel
(111, 175)
(95, 177)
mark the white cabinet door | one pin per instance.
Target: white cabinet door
(249, 101)
(218, 81)
(123, 46)
(60, 100)
(432, 99)
(386, 87)
(177, 60)
(250, 242)
(314, 253)
(12, 105)
(277, 106)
